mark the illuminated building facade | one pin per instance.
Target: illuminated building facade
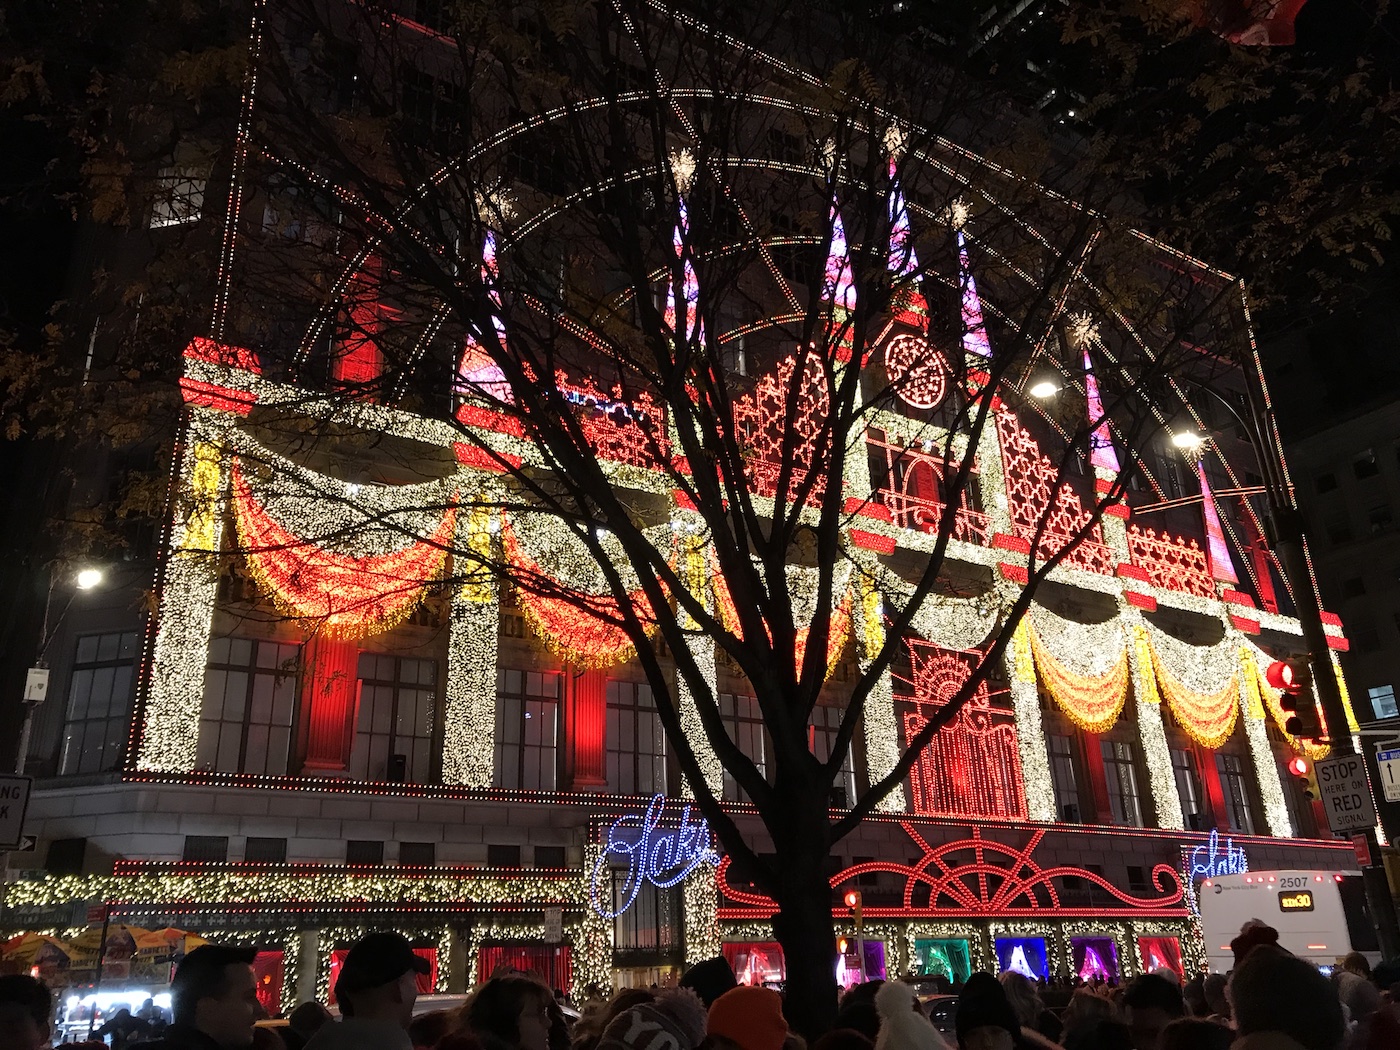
(327, 740)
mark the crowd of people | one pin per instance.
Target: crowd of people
(1271, 1000)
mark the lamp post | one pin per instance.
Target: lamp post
(36, 682)
(1286, 537)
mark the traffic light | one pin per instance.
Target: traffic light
(1293, 679)
(852, 899)
(1301, 768)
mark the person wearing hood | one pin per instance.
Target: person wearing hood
(985, 1020)
(903, 1025)
(709, 979)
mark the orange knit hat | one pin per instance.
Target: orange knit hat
(751, 1017)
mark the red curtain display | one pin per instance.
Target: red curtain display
(1160, 951)
(267, 972)
(553, 964)
(427, 982)
(756, 962)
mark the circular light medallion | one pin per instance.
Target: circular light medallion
(916, 371)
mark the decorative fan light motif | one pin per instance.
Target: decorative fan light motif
(917, 372)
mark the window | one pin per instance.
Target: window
(744, 723)
(1137, 877)
(364, 851)
(1338, 530)
(1325, 482)
(1063, 779)
(499, 856)
(654, 920)
(636, 746)
(826, 721)
(1380, 518)
(1120, 769)
(1232, 783)
(418, 854)
(66, 856)
(1188, 786)
(250, 694)
(179, 196)
(1363, 635)
(1365, 465)
(99, 703)
(1382, 699)
(1353, 587)
(209, 849)
(527, 729)
(265, 850)
(394, 719)
(551, 857)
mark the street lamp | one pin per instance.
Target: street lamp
(1043, 387)
(36, 681)
(1188, 441)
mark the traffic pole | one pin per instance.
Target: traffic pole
(1288, 544)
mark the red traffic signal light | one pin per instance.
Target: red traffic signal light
(852, 899)
(1293, 679)
(1298, 766)
(1291, 676)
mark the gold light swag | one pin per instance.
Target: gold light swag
(1207, 718)
(1092, 702)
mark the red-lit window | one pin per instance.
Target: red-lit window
(553, 964)
(427, 982)
(267, 973)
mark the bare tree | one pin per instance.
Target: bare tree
(693, 313)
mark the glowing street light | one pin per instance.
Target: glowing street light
(1188, 441)
(1044, 388)
(87, 579)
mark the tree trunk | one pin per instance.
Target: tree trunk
(804, 925)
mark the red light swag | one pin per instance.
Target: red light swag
(347, 597)
(836, 638)
(582, 628)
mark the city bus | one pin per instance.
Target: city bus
(1320, 915)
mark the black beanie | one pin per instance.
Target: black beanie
(710, 979)
(983, 1004)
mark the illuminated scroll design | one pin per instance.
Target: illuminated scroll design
(977, 876)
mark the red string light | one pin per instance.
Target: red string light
(349, 597)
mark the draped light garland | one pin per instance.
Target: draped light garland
(342, 595)
(802, 587)
(583, 627)
(1091, 702)
(1207, 718)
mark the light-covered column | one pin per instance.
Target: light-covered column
(694, 558)
(189, 588)
(1030, 729)
(701, 909)
(1152, 732)
(882, 746)
(469, 716)
(594, 936)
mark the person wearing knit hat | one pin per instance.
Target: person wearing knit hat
(985, 1020)
(710, 979)
(1253, 933)
(751, 1017)
(674, 1020)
